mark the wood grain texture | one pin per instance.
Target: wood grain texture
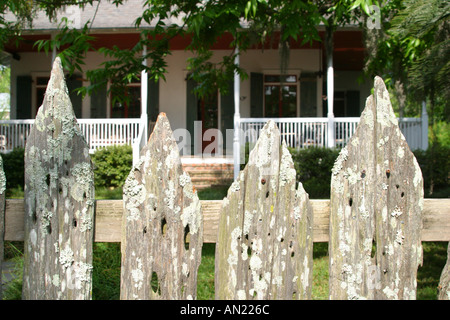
(264, 247)
(162, 226)
(375, 209)
(59, 201)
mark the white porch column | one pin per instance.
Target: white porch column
(144, 96)
(237, 117)
(331, 141)
(424, 134)
(143, 125)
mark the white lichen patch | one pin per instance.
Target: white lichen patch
(297, 213)
(138, 275)
(399, 237)
(2, 177)
(352, 175)
(382, 141)
(66, 257)
(83, 272)
(86, 221)
(339, 163)
(192, 216)
(287, 171)
(235, 186)
(367, 116)
(173, 158)
(401, 152)
(134, 196)
(397, 212)
(241, 295)
(184, 179)
(248, 218)
(233, 256)
(305, 276)
(84, 181)
(355, 141)
(417, 173)
(170, 194)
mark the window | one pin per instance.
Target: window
(131, 107)
(280, 96)
(41, 86)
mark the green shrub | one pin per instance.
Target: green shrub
(435, 165)
(313, 166)
(112, 165)
(13, 165)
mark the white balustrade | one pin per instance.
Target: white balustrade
(97, 132)
(297, 132)
(307, 132)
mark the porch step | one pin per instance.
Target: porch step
(205, 175)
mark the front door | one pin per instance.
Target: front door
(208, 114)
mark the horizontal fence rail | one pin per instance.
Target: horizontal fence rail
(97, 132)
(108, 220)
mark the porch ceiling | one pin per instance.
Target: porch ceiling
(349, 48)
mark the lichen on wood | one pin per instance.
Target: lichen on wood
(376, 209)
(444, 282)
(264, 246)
(59, 201)
(162, 225)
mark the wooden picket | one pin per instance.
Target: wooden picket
(376, 209)
(264, 247)
(59, 201)
(162, 225)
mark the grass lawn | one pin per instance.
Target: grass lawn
(106, 261)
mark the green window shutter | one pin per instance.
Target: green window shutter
(227, 112)
(98, 102)
(23, 108)
(308, 99)
(153, 99)
(256, 95)
(73, 83)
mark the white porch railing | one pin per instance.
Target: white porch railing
(307, 132)
(97, 132)
(297, 132)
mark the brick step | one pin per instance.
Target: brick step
(205, 175)
(211, 173)
(226, 169)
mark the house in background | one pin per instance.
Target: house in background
(296, 99)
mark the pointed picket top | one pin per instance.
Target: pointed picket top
(264, 246)
(162, 225)
(59, 201)
(376, 204)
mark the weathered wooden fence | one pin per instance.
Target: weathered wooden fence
(264, 229)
